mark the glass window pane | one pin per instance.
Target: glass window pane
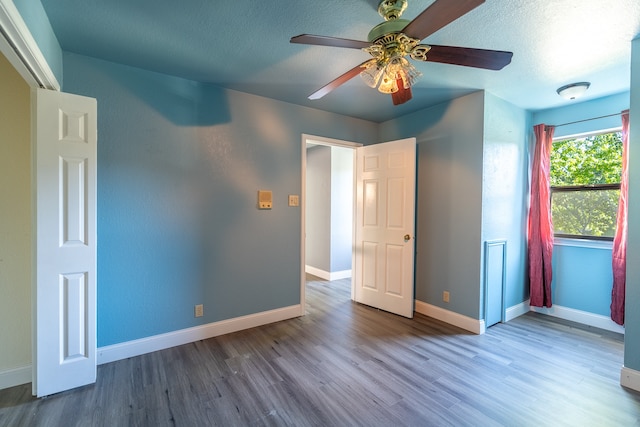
(585, 213)
(595, 159)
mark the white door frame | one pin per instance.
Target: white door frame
(318, 140)
(23, 53)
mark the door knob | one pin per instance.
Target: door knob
(407, 237)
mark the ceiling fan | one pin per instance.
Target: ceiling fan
(391, 42)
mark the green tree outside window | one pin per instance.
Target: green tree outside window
(585, 185)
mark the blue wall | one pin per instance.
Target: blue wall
(472, 170)
(37, 21)
(582, 276)
(318, 208)
(342, 184)
(505, 190)
(585, 110)
(632, 320)
(180, 164)
(449, 200)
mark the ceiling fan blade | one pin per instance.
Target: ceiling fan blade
(338, 82)
(439, 14)
(469, 57)
(402, 95)
(329, 41)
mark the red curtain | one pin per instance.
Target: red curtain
(619, 255)
(540, 238)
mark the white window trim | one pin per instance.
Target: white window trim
(583, 243)
(588, 134)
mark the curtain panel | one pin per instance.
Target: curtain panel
(619, 252)
(540, 226)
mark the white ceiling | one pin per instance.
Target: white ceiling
(244, 45)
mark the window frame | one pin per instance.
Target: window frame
(588, 187)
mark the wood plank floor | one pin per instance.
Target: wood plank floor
(345, 364)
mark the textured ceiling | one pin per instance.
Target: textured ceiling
(244, 45)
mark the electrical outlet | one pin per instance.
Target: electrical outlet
(445, 296)
(199, 310)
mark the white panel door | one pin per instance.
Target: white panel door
(65, 149)
(385, 224)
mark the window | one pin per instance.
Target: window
(585, 185)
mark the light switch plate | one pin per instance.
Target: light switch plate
(294, 200)
(265, 199)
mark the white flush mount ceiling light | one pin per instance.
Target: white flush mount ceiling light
(573, 90)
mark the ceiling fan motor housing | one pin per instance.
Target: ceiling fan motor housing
(387, 27)
(392, 9)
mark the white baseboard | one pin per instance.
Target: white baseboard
(630, 378)
(14, 377)
(337, 275)
(134, 348)
(467, 323)
(516, 310)
(579, 316)
(317, 272)
(478, 326)
(326, 275)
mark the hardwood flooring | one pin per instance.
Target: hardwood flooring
(346, 364)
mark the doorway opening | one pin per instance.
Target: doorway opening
(327, 207)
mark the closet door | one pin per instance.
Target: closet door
(64, 313)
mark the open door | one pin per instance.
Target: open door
(385, 226)
(65, 152)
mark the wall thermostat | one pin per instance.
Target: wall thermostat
(265, 199)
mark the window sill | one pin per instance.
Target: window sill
(583, 243)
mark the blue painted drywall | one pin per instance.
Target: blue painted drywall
(632, 314)
(505, 191)
(329, 208)
(39, 26)
(342, 185)
(180, 164)
(449, 200)
(472, 186)
(578, 111)
(582, 277)
(318, 208)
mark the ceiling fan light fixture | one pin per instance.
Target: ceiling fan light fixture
(385, 75)
(401, 68)
(573, 90)
(389, 62)
(372, 73)
(388, 84)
